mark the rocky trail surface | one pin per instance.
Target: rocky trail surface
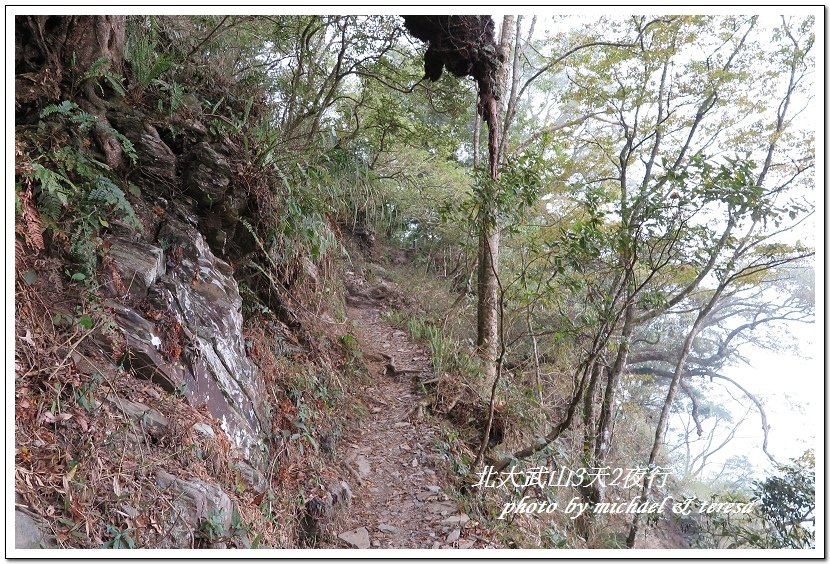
(395, 471)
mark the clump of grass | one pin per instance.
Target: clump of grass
(448, 355)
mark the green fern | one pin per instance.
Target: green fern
(97, 68)
(106, 193)
(126, 144)
(85, 121)
(65, 108)
(147, 64)
(70, 159)
(53, 191)
(100, 69)
(83, 248)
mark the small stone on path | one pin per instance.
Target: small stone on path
(363, 466)
(461, 519)
(423, 496)
(466, 543)
(358, 538)
(442, 507)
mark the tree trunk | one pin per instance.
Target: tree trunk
(591, 493)
(488, 295)
(466, 46)
(488, 242)
(606, 415)
(510, 108)
(52, 52)
(53, 59)
(477, 142)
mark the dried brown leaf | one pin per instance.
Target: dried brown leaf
(50, 418)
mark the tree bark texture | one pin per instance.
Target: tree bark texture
(50, 51)
(489, 234)
(53, 56)
(465, 46)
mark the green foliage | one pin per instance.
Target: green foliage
(120, 538)
(107, 196)
(100, 69)
(351, 347)
(731, 182)
(522, 179)
(784, 516)
(451, 448)
(302, 432)
(85, 394)
(302, 224)
(211, 528)
(53, 191)
(75, 194)
(788, 501)
(72, 116)
(448, 356)
(230, 123)
(175, 93)
(147, 62)
(67, 109)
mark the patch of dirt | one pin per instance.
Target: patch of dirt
(665, 534)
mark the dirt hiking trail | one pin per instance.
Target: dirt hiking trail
(395, 470)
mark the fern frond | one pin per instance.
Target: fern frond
(50, 205)
(98, 68)
(115, 82)
(106, 193)
(53, 184)
(65, 108)
(126, 144)
(83, 248)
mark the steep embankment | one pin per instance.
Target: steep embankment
(144, 415)
(153, 408)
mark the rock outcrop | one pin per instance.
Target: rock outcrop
(201, 513)
(175, 302)
(188, 338)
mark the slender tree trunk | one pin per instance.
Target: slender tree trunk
(488, 293)
(510, 108)
(606, 415)
(488, 245)
(592, 492)
(477, 142)
(536, 363)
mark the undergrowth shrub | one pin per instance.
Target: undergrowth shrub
(76, 194)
